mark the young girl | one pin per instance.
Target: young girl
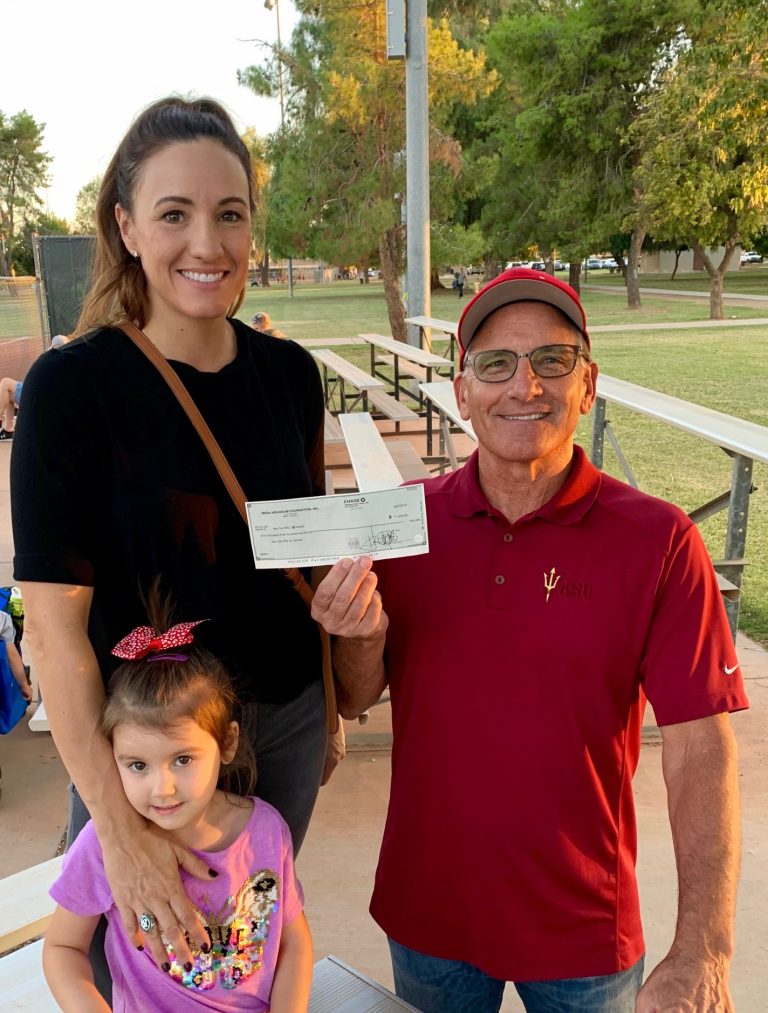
(170, 718)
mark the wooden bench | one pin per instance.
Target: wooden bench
(336, 987)
(745, 442)
(378, 464)
(332, 430)
(26, 909)
(368, 388)
(428, 324)
(410, 360)
(442, 396)
(337, 372)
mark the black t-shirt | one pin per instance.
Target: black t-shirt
(111, 486)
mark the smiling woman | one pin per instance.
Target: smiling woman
(131, 494)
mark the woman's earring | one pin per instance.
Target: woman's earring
(134, 253)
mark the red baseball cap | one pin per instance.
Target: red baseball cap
(519, 284)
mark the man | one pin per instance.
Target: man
(518, 653)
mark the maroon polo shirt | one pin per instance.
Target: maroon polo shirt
(518, 657)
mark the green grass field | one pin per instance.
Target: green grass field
(751, 279)
(723, 369)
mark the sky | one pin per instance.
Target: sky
(85, 68)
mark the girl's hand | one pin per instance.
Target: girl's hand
(143, 873)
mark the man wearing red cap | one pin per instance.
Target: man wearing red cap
(519, 654)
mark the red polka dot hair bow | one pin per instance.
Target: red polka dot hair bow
(144, 640)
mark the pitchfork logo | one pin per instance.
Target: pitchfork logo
(550, 582)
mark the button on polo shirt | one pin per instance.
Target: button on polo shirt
(517, 707)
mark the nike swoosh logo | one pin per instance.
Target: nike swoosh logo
(730, 670)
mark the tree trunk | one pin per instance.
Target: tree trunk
(390, 252)
(574, 275)
(265, 270)
(677, 263)
(434, 282)
(633, 264)
(717, 274)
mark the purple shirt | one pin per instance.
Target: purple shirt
(244, 910)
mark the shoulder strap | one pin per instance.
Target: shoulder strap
(233, 487)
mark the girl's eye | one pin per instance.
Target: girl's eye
(231, 216)
(183, 761)
(173, 217)
(138, 766)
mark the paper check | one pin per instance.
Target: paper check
(318, 530)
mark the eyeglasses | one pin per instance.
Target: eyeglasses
(498, 365)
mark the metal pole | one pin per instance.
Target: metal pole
(269, 4)
(736, 534)
(598, 432)
(417, 163)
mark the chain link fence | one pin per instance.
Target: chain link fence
(22, 335)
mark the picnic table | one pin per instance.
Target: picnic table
(744, 442)
(413, 362)
(441, 395)
(428, 324)
(338, 372)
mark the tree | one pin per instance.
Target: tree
(23, 171)
(42, 225)
(85, 208)
(260, 171)
(339, 173)
(702, 139)
(574, 72)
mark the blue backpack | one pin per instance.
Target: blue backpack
(12, 704)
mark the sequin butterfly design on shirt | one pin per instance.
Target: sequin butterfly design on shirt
(238, 932)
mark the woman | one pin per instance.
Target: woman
(132, 494)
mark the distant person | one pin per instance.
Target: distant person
(170, 717)
(566, 599)
(262, 322)
(15, 662)
(10, 395)
(461, 281)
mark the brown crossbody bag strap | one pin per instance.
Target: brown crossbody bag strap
(235, 491)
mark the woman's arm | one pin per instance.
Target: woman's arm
(66, 965)
(293, 976)
(141, 864)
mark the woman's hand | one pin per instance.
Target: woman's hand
(144, 878)
(346, 602)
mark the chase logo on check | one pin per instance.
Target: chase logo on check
(558, 583)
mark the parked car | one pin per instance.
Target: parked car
(538, 265)
(560, 266)
(610, 263)
(593, 263)
(479, 269)
(750, 257)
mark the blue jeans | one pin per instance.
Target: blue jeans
(434, 985)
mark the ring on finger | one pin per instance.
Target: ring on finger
(147, 922)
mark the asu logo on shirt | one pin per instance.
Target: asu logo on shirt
(556, 582)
